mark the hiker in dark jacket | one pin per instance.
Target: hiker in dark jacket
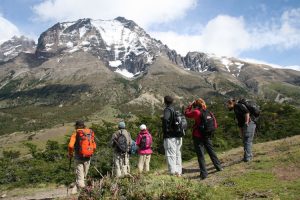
(121, 158)
(201, 142)
(246, 125)
(172, 143)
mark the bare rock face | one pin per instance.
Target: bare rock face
(199, 62)
(16, 45)
(120, 43)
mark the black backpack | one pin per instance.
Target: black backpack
(179, 123)
(143, 142)
(253, 108)
(122, 143)
(208, 123)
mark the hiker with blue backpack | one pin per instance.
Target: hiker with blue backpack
(246, 113)
(144, 142)
(203, 129)
(121, 143)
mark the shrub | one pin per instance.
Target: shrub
(12, 154)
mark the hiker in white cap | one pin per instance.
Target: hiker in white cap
(144, 142)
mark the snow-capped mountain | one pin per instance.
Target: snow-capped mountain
(120, 43)
(79, 59)
(16, 45)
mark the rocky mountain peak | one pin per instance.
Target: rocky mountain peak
(197, 61)
(120, 43)
(127, 23)
(16, 45)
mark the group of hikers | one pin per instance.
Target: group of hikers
(82, 144)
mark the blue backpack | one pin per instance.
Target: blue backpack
(133, 148)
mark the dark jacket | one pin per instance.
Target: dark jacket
(240, 111)
(167, 122)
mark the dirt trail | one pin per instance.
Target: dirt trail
(231, 161)
(37, 194)
(233, 164)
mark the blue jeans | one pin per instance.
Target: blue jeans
(248, 134)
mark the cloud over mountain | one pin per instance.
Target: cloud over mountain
(7, 29)
(230, 36)
(144, 12)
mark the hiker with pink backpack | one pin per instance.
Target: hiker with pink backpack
(144, 142)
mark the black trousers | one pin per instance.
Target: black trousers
(200, 146)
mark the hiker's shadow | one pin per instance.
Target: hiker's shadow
(210, 169)
(190, 170)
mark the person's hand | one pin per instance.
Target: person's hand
(241, 133)
(70, 155)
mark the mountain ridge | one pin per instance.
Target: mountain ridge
(87, 51)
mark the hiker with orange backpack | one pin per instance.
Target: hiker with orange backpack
(144, 142)
(121, 143)
(82, 142)
(205, 124)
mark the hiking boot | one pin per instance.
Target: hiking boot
(177, 174)
(74, 190)
(219, 169)
(247, 160)
(202, 177)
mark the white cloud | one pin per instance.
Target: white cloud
(7, 30)
(223, 35)
(294, 67)
(251, 60)
(181, 43)
(143, 12)
(230, 36)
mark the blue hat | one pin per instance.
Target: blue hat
(122, 125)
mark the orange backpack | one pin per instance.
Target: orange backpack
(85, 142)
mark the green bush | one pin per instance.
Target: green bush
(11, 154)
(50, 165)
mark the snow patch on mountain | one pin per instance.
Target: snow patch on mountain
(226, 62)
(239, 67)
(115, 63)
(126, 73)
(16, 45)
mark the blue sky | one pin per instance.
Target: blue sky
(262, 30)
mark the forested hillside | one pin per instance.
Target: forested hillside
(38, 164)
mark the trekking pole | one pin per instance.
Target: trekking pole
(98, 171)
(70, 163)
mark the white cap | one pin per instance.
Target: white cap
(143, 127)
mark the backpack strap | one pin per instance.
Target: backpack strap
(172, 120)
(171, 109)
(245, 107)
(215, 120)
(201, 116)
